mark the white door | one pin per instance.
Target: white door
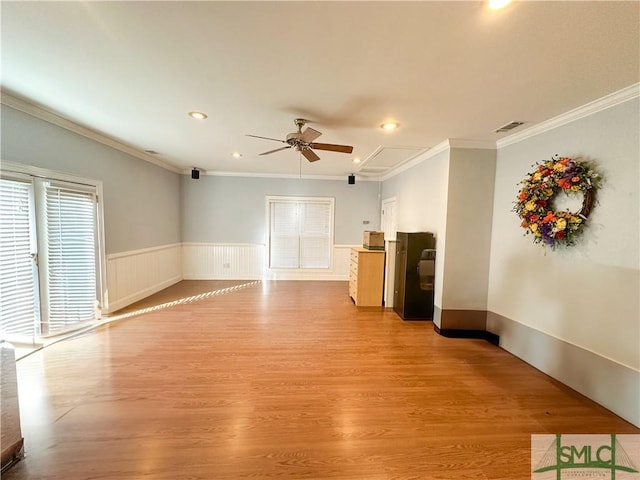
(19, 294)
(48, 256)
(389, 225)
(388, 219)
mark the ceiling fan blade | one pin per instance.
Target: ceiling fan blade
(276, 150)
(309, 135)
(332, 148)
(267, 138)
(310, 155)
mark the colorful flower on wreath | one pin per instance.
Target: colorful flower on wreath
(534, 204)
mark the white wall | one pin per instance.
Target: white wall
(586, 296)
(421, 203)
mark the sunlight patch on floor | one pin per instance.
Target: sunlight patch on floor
(23, 351)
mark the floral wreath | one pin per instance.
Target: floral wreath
(535, 200)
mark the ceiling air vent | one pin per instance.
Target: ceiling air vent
(509, 126)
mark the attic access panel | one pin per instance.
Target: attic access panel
(385, 159)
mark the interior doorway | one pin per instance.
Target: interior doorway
(389, 225)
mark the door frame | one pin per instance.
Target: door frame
(17, 170)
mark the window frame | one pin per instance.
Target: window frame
(269, 200)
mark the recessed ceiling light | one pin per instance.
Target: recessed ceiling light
(389, 126)
(498, 4)
(236, 155)
(356, 160)
(198, 115)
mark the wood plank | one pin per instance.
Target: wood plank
(286, 380)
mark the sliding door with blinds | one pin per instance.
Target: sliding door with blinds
(49, 256)
(70, 245)
(18, 275)
(300, 232)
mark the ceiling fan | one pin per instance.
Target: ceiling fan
(304, 143)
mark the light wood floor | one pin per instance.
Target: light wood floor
(286, 380)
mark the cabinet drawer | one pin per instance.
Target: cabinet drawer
(353, 268)
(366, 277)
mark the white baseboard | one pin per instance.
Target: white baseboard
(140, 295)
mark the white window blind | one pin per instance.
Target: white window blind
(71, 257)
(315, 235)
(300, 233)
(285, 245)
(18, 306)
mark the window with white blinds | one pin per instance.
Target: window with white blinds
(71, 257)
(300, 232)
(50, 256)
(18, 294)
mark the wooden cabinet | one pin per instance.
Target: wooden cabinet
(366, 277)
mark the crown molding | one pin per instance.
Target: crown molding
(417, 160)
(608, 101)
(53, 118)
(447, 144)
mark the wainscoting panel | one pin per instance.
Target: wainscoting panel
(134, 275)
(220, 261)
(339, 270)
(217, 261)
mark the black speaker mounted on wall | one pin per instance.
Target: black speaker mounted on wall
(195, 174)
(351, 179)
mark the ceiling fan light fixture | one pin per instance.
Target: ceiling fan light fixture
(198, 115)
(389, 126)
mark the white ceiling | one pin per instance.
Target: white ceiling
(132, 70)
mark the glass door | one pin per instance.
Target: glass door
(19, 294)
(48, 257)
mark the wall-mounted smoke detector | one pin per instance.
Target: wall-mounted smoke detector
(509, 126)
